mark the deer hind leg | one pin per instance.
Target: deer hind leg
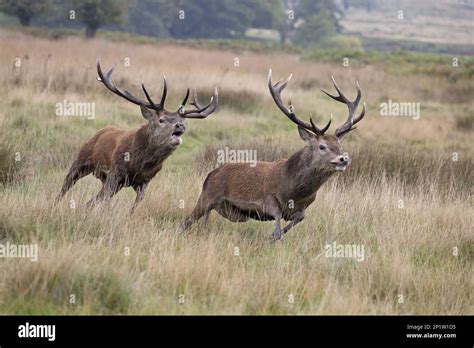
(203, 208)
(75, 173)
(272, 208)
(297, 218)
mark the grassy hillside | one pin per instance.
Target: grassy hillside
(440, 22)
(403, 197)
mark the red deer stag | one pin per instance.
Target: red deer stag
(281, 189)
(121, 158)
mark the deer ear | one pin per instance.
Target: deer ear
(305, 135)
(147, 113)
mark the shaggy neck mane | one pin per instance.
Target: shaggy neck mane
(306, 173)
(148, 150)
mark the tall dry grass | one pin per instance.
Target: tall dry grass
(403, 198)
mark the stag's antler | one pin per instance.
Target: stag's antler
(275, 91)
(107, 81)
(350, 122)
(200, 111)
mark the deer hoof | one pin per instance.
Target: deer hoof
(275, 237)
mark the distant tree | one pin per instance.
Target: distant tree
(306, 9)
(316, 29)
(267, 14)
(97, 13)
(286, 25)
(151, 17)
(210, 18)
(25, 10)
(306, 16)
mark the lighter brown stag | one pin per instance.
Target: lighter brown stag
(282, 189)
(121, 158)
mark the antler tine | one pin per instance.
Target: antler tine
(165, 92)
(185, 100)
(275, 91)
(351, 105)
(322, 130)
(107, 81)
(201, 111)
(340, 97)
(353, 126)
(183, 103)
(359, 94)
(281, 84)
(195, 101)
(147, 95)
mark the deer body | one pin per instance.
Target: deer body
(121, 158)
(131, 153)
(291, 183)
(281, 189)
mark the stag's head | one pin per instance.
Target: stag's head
(166, 127)
(326, 149)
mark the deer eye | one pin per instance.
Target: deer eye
(322, 147)
(161, 120)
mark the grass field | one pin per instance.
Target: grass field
(407, 195)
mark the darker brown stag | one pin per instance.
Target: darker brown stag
(122, 158)
(282, 189)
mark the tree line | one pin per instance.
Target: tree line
(302, 22)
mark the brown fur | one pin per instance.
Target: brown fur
(121, 158)
(270, 190)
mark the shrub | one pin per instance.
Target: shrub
(344, 42)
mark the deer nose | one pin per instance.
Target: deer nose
(344, 159)
(180, 126)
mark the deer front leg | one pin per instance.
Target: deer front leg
(297, 218)
(140, 190)
(110, 187)
(273, 208)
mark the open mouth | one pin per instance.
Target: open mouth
(176, 137)
(339, 167)
(177, 133)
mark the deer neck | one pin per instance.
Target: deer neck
(151, 148)
(305, 173)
